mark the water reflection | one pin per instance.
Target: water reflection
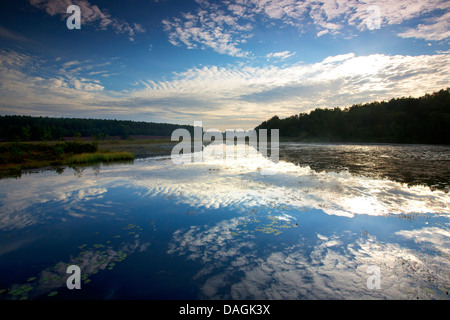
(261, 230)
(411, 164)
(319, 267)
(250, 181)
(91, 259)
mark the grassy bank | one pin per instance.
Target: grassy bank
(139, 147)
(17, 156)
(99, 157)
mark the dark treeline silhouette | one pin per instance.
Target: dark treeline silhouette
(27, 128)
(403, 120)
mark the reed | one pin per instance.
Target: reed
(99, 157)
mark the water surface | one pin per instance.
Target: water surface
(307, 227)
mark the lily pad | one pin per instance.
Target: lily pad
(52, 293)
(21, 290)
(45, 279)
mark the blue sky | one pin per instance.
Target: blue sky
(230, 64)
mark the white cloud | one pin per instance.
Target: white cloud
(138, 27)
(90, 14)
(235, 92)
(208, 29)
(338, 58)
(220, 96)
(438, 29)
(360, 13)
(321, 33)
(224, 26)
(85, 85)
(5, 33)
(62, 90)
(280, 55)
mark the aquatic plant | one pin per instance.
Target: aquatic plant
(99, 157)
(274, 227)
(92, 259)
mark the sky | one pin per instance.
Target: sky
(230, 64)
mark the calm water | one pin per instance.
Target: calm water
(308, 227)
(411, 164)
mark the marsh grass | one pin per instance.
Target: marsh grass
(17, 156)
(99, 157)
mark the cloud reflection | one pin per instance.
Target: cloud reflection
(255, 180)
(246, 182)
(236, 265)
(334, 267)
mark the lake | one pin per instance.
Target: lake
(328, 221)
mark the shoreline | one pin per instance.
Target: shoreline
(17, 158)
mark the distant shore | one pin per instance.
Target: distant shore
(140, 147)
(19, 157)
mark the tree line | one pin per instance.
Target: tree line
(403, 120)
(28, 128)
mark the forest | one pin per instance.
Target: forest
(403, 120)
(28, 128)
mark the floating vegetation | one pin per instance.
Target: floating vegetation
(52, 293)
(120, 256)
(22, 290)
(275, 226)
(91, 260)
